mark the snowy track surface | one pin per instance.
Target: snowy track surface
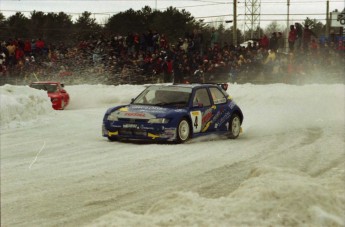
(286, 169)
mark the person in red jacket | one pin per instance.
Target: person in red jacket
(163, 42)
(306, 39)
(167, 67)
(292, 37)
(27, 48)
(40, 45)
(19, 56)
(264, 42)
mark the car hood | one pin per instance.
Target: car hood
(146, 112)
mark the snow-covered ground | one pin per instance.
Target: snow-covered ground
(286, 169)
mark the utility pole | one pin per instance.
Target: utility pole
(234, 28)
(327, 20)
(287, 27)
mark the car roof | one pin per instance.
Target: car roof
(193, 85)
(45, 82)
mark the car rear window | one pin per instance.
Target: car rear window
(45, 87)
(217, 96)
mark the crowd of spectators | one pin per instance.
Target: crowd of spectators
(151, 57)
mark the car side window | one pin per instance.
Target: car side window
(201, 97)
(217, 96)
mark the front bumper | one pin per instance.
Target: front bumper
(56, 104)
(143, 131)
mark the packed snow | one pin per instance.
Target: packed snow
(287, 168)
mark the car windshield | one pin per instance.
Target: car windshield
(164, 96)
(46, 87)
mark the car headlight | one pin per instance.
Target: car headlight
(158, 121)
(112, 117)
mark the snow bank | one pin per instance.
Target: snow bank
(281, 107)
(21, 104)
(296, 104)
(269, 197)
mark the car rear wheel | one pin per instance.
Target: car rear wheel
(234, 126)
(183, 131)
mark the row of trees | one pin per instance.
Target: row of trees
(174, 23)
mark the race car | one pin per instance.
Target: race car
(56, 92)
(174, 113)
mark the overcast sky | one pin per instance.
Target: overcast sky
(209, 10)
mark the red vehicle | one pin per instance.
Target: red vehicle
(56, 92)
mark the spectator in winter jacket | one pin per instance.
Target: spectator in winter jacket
(167, 69)
(163, 42)
(149, 41)
(33, 46)
(307, 35)
(11, 48)
(264, 42)
(178, 70)
(292, 37)
(280, 42)
(299, 32)
(270, 61)
(19, 56)
(27, 48)
(273, 43)
(40, 45)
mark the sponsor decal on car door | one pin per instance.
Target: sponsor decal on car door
(201, 119)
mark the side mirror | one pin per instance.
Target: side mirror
(132, 100)
(224, 86)
(62, 85)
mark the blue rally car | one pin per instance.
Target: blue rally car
(174, 113)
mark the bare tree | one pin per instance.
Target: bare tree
(274, 27)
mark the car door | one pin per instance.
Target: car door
(201, 111)
(64, 94)
(221, 113)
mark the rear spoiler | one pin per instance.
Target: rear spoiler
(223, 85)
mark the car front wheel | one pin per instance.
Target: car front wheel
(112, 138)
(234, 126)
(183, 131)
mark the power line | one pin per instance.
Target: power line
(179, 7)
(214, 2)
(221, 15)
(298, 2)
(211, 3)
